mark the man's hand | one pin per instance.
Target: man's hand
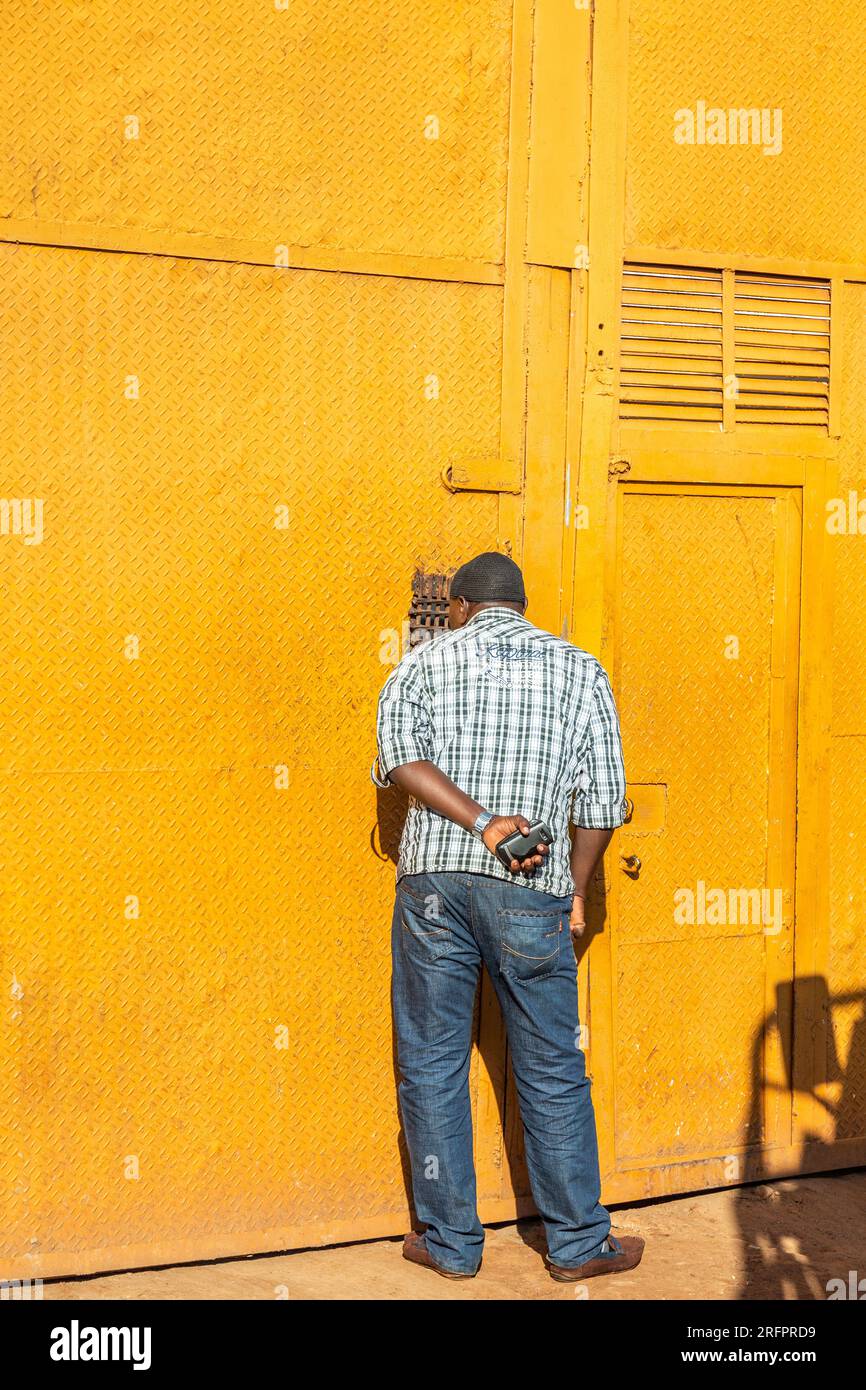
(586, 851)
(577, 922)
(501, 826)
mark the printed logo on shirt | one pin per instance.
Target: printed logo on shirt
(516, 667)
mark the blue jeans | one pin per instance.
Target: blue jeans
(444, 926)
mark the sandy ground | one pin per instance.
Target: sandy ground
(783, 1240)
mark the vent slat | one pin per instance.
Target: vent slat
(671, 375)
(819, 420)
(675, 412)
(751, 396)
(640, 348)
(782, 354)
(768, 371)
(638, 394)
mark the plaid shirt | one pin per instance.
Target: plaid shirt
(523, 722)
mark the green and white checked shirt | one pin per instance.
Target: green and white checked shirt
(522, 721)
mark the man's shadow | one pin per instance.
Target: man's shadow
(796, 1240)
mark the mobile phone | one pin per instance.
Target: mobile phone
(517, 846)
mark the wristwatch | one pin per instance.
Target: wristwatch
(482, 821)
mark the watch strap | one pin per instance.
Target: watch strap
(482, 820)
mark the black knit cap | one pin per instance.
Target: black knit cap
(489, 578)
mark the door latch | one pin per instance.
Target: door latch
(631, 864)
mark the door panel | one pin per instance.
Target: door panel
(699, 935)
(196, 1059)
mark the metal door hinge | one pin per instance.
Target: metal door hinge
(482, 475)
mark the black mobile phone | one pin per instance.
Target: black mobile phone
(519, 846)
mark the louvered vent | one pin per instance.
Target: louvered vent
(724, 348)
(671, 350)
(781, 350)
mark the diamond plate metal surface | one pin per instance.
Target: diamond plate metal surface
(383, 129)
(708, 760)
(794, 55)
(688, 1015)
(157, 1038)
(684, 1071)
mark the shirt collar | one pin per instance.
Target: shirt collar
(486, 617)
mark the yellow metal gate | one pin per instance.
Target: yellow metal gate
(295, 305)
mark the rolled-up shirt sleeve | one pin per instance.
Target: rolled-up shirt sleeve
(403, 721)
(598, 802)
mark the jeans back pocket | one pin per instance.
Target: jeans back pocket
(426, 933)
(530, 941)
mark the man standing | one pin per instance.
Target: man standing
(488, 727)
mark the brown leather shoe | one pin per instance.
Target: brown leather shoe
(415, 1250)
(628, 1251)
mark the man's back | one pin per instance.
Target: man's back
(522, 721)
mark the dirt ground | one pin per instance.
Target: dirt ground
(783, 1240)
